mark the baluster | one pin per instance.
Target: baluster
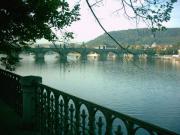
(71, 109)
(56, 113)
(19, 98)
(83, 115)
(66, 124)
(118, 131)
(150, 132)
(109, 121)
(61, 117)
(130, 128)
(91, 120)
(51, 115)
(42, 113)
(77, 116)
(41, 108)
(38, 107)
(44, 120)
(100, 124)
(37, 111)
(48, 112)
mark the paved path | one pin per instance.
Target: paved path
(10, 122)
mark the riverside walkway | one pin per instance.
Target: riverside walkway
(11, 123)
(9, 120)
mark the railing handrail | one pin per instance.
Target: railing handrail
(116, 113)
(11, 91)
(14, 74)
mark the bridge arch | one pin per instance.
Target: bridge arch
(74, 54)
(93, 51)
(83, 53)
(112, 54)
(93, 55)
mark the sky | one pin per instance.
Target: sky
(87, 28)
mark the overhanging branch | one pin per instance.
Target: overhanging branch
(123, 48)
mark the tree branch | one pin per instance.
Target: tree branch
(123, 48)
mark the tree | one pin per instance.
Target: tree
(24, 21)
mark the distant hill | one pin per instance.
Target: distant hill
(138, 37)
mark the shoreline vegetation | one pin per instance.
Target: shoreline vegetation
(141, 36)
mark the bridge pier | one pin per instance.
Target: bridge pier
(63, 54)
(39, 56)
(119, 56)
(84, 54)
(103, 56)
(63, 57)
(136, 56)
(83, 57)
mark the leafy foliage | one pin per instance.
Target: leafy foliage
(24, 21)
(153, 12)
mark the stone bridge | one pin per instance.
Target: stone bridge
(64, 51)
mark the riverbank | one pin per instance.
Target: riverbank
(170, 57)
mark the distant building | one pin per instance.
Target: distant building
(41, 45)
(146, 46)
(154, 45)
(99, 47)
(105, 47)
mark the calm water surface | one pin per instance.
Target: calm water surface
(150, 92)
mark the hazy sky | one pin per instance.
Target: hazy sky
(87, 28)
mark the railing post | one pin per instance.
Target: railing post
(28, 85)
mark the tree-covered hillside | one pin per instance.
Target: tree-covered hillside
(139, 37)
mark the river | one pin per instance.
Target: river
(146, 89)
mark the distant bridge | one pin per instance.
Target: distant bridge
(64, 51)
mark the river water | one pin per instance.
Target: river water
(146, 89)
